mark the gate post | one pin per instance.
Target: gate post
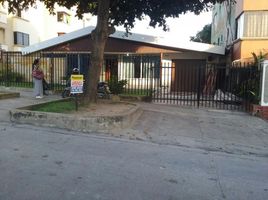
(51, 68)
(264, 83)
(199, 86)
(7, 79)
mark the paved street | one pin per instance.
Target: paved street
(169, 153)
(41, 163)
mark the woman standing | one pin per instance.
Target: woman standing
(38, 76)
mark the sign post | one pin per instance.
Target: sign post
(77, 83)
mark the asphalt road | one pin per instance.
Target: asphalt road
(49, 164)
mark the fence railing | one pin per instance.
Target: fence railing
(193, 84)
(209, 85)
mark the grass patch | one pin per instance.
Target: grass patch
(56, 107)
(17, 84)
(136, 92)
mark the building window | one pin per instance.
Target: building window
(21, 38)
(63, 17)
(141, 67)
(252, 24)
(61, 33)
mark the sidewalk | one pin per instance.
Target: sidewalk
(26, 98)
(212, 130)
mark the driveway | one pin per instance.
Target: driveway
(214, 130)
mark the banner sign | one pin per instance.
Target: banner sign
(77, 82)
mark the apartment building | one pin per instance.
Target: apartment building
(35, 25)
(242, 28)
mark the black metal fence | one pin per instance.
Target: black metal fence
(16, 68)
(175, 82)
(209, 85)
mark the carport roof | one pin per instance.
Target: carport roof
(147, 39)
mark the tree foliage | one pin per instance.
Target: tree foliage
(111, 13)
(203, 36)
(125, 12)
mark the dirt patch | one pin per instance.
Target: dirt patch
(7, 95)
(104, 108)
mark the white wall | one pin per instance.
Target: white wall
(264, 84)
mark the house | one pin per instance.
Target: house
(242, 28)
(140, 59)
(35, 25)
(190, 73)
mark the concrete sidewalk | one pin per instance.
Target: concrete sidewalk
(26, 98)
(212, 130)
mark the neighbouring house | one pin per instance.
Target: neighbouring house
(36, 24)
(241, 27)
(140, 59)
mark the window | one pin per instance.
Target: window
(141, 66)
(21, 38)
(252, 24)
(63, 17)
(61, 33)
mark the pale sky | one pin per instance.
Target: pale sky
(180, 28)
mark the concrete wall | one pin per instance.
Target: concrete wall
(243, 48)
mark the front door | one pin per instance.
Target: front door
(111, 68)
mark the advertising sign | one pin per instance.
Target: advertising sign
(77, 82)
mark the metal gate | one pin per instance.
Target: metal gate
(196, 84)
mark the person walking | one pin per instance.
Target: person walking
(38, 77)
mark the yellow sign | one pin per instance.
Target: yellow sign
(77, 83)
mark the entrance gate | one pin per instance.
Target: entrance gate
(198, 84)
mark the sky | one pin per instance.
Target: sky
(180, 28)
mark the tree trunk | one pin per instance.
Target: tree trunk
(99, 38)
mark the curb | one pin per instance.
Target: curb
(72, 122)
